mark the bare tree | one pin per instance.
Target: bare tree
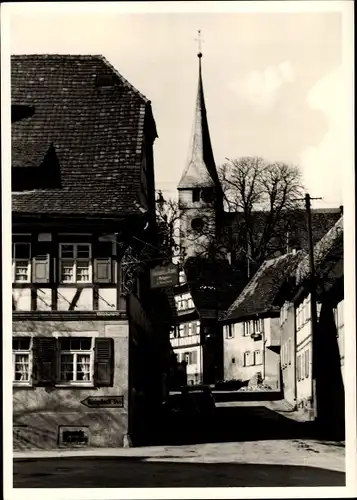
(263, 196)
(168, 223)
(260, 198)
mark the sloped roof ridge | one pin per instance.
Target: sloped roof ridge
(253, 283)
(321, 248)
(86, 57)
(124, 80)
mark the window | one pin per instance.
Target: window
(248, 359)
(194, 328)
(258, 357)
(195, 195)
(75, 261)
(307, 363)
(184, 302)
(289, 351)
(230, 331)
(246, 328)
(21, 359)
(254, 326)
(76, 359)
(298, 368)
(258, 326)
(302, 370)
(21, 263)
(186, 330)
(181, 332)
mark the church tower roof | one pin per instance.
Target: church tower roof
(201, 168)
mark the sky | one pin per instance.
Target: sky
(273, 81)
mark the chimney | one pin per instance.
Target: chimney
(341, 209)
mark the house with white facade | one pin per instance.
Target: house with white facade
(313, 362)
(251, 331)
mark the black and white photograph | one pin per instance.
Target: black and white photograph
(176, 181)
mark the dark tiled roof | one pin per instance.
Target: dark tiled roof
(213, 286)
(327, 251)
(96, 131)
(258, 296)
(293, 221)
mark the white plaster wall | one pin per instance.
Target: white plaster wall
(65, 297)
(110, 299)
(44, 299)
(22, 299)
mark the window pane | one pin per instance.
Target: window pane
(67, 366)
(22, 250)
(85, 343)
(21, 343)
(22, 367)
(67, 270)
(67, 251)
(82, 270)
(75, 343)
(83, 367)
(83, 251)
(21, 270)
(65, 344)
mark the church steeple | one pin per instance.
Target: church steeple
(201, 168)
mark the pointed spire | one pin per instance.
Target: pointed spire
(201, 169)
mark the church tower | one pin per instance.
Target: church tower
(199, 190)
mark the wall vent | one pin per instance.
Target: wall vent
(73, 436)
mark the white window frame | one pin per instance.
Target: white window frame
(255, 357)
(15, 260)
(75, 259)
(75, 353)
(22, 352)
(259, 323)
(230, 331)
(247, 355)
(246, 328)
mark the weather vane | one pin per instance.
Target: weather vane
(199, 40)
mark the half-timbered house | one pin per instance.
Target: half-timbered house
(90, 351)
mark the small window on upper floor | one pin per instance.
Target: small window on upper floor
(196, 195)
(21, 263)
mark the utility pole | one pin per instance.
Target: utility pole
(313, 296)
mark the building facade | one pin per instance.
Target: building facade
(251, 328)
(250, 352)
(313, 361)
(88, 355)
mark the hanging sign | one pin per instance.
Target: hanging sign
(164, 276)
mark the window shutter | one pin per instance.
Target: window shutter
(194, 357)
(102, 270)
(41, 269)
(104, 362)
(45, 360)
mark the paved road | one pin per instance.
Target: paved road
(120, 472)
(260, 463)
(250, 444)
